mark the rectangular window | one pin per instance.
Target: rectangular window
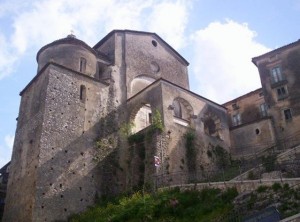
(281, 92)
(82, 93)
(82, 65)
(150, 118)
(287, 114)
(236, 119)
(276, 75)
(235, 106)
(263, 110)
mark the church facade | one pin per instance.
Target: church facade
(93, 119)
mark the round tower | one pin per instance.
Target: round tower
(71, 53)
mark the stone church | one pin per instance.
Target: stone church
(93, 118)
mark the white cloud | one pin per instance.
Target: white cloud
(9, 141)
(222, 60)
(6, 149)
(52, 19)
(169, 20)
(7, 59)
(37, 23)
(4, 157)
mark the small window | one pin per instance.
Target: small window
(210, 127)
(257, 131)
(177, 109)
(82, 94)
(235, 106)
(263, 110)
(154, 43)
(287, 114)
(281, 92)
(236, 119)
(276, 75)
(82, 65)
(150, 118)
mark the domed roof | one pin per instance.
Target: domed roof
(70, 39)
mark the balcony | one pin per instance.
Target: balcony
(278, 82)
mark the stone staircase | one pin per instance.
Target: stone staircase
(292, 154)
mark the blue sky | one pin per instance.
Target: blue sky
(217, 37)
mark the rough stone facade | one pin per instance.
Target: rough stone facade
(268, 117)
(73, 141)
(251, 127)
(279, 72)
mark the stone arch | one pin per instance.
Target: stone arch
(182, 109)
(141, 116)
(139, 83)
(212, 125)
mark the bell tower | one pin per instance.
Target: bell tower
(52, 172)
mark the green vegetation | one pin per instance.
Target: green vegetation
(191, 151)
(287, 200)
(269, 162)
(222, 156)
(168, 205)
(227, 167)
(262, 189)
(137, 147)
(251, 176)
(157, 123)
(126, 129)
(206, 205)
(276, 187)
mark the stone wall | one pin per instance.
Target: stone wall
(241, 186)
(25, 157)
(287, 59)
(147, 56)
(252, 138)
(248, 106)
(65, 174)
(60, 164)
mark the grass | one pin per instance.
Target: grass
(168, 205)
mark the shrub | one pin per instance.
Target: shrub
(261, 189)
(269, 162)
(276, 187)
(191, 152)
(251, 175)
(222, 156)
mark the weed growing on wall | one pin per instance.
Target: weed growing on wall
(104, 146)
(269, 162)
(191, 152)
(126, 129)
(157, 123)
(222, 156)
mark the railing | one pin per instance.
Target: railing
(259, 149)
(266, 169)
(279, 82)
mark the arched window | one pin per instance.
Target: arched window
(177, 109)
(182, 111)
(139, 83)
(142, 118)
